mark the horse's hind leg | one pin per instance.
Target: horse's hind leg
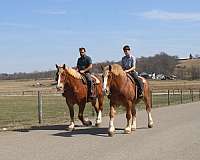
(148, 103)
(133, 126)
(80, 115)
(128, 117)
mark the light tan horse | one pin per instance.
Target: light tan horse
(75, 91)
(122, 91)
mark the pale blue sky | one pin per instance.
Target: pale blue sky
(37, 34)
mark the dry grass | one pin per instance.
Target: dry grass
(174, 84)
(189, 63)
(26, 85)
(47, 85)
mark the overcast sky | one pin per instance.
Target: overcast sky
(37, 34)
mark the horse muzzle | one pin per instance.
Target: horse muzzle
(59, 88)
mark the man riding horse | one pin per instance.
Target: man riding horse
(129, 66)
(84, 66)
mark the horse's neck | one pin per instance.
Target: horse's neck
(119, 80)
(71, 81)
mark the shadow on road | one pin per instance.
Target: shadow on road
(79, 130)
(84, 131)
(102, 132)
(47, 127)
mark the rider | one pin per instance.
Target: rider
(129, 65)
(84, 66)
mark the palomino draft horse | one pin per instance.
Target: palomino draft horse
(122, 91)
(75, 91)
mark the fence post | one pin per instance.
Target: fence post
(168, 97)
(192, 95)
(39, 107)
(151, 94)
(199, 94)
(181, 96)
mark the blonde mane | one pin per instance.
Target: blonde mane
(117, 70)
(74, 73)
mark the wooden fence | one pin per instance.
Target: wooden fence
(30, 108)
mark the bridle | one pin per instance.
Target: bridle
(60, 77)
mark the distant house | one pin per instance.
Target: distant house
(160, 77)
(145, 75)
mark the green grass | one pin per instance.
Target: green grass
(22, 111)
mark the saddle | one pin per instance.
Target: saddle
(131, 78)
(95, 81)
(136, 87)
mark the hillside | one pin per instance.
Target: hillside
(188, 69)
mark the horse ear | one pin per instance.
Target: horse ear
(64, 66)
(110, 67)
(56, 66)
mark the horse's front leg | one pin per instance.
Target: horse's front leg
(71, 111)
(111, 129)
(80, 115)
(129, 118)
(98, 108)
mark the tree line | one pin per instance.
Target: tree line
(161, 63)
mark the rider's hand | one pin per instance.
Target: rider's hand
(126, 71)
(82, 71)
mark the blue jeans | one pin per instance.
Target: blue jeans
(137, 81)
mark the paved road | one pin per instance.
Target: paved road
(175, 136)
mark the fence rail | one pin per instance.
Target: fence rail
(22, 109)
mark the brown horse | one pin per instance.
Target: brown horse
(122, 91)
(74, 90)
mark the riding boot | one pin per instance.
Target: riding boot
(139, 85)
(140, 88)
(90, 90)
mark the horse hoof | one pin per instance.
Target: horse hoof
(97, 125)
(70, 129)
(111, 134)
(133, 129)
(150, 125)
(87, 123)
(127, 131)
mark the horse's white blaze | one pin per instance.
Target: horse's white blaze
(59, 85)
(111, 125)
(105, 83)
(150, 119)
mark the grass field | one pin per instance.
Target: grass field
(18, 104)
(46, 85)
